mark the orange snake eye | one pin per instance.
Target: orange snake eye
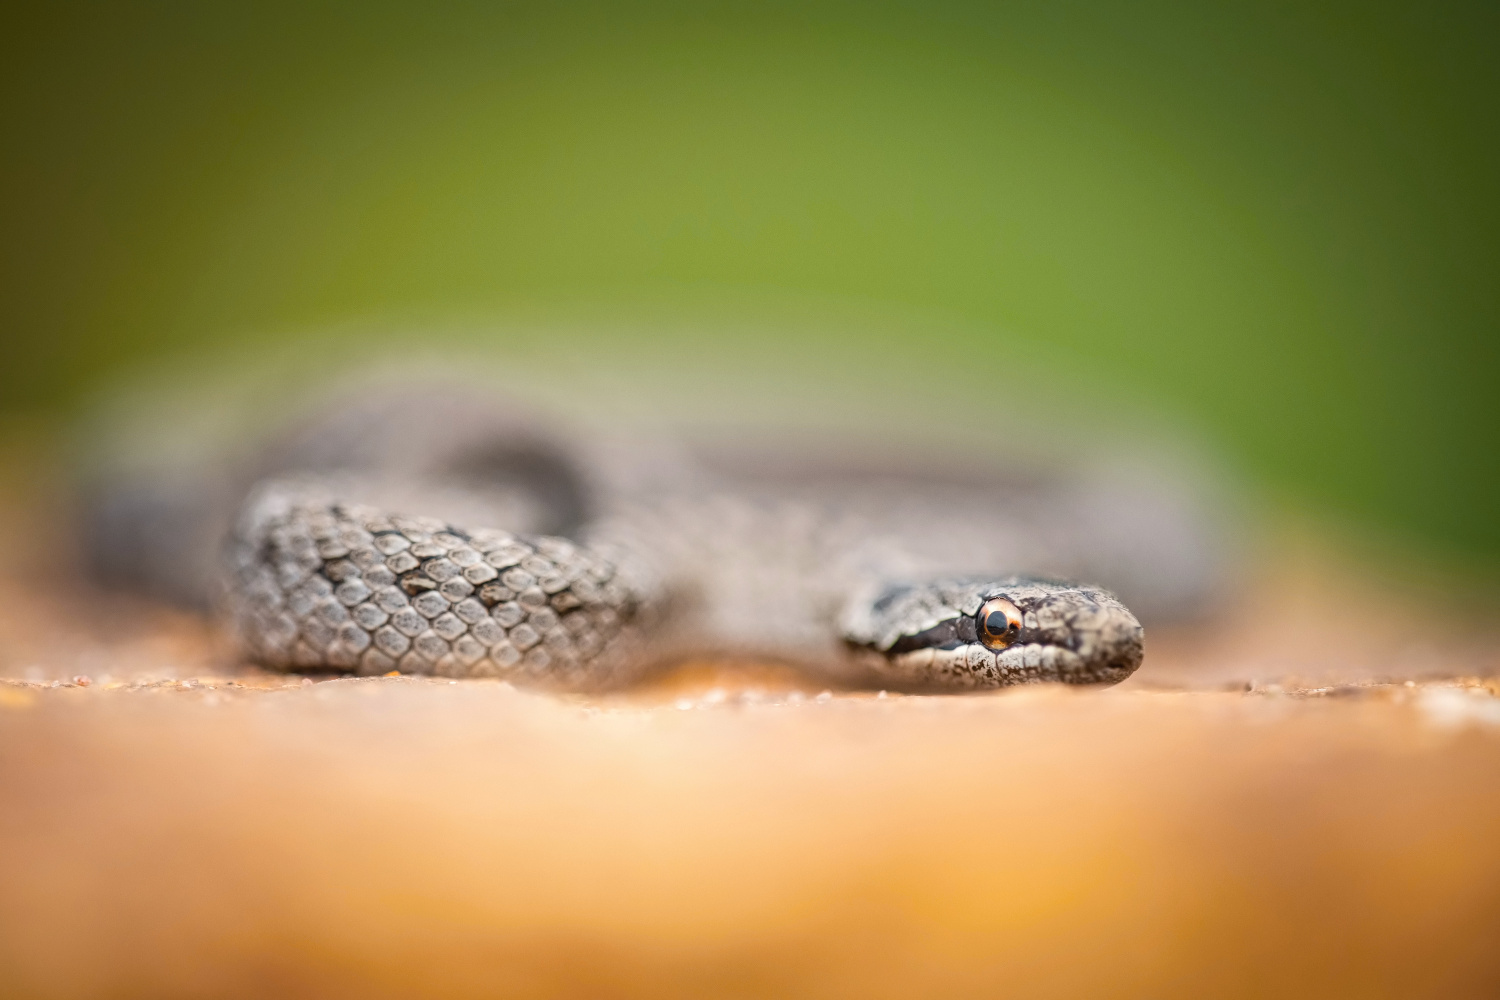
(998, 623)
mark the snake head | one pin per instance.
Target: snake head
(979, 633)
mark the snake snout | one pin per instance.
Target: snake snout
(1095, 638)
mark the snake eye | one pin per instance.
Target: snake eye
(998, 623)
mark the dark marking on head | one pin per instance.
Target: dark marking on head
(948, 634)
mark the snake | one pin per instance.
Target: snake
(441, 528)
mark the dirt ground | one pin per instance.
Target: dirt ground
(1297, 800)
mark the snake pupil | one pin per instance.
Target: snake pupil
(999, 621)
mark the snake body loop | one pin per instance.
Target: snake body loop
(442, 532)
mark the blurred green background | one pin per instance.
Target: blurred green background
(1276, 225)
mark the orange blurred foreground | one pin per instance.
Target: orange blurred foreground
(397, 837)
(238, 834)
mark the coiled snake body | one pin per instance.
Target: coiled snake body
(442, 532)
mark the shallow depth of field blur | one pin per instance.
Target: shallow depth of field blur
(1266, 237)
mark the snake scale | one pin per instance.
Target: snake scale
(441, 530)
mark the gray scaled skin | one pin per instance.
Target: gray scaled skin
(317, 583)
(437, 532)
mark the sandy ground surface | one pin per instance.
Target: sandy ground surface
(1300, 799)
